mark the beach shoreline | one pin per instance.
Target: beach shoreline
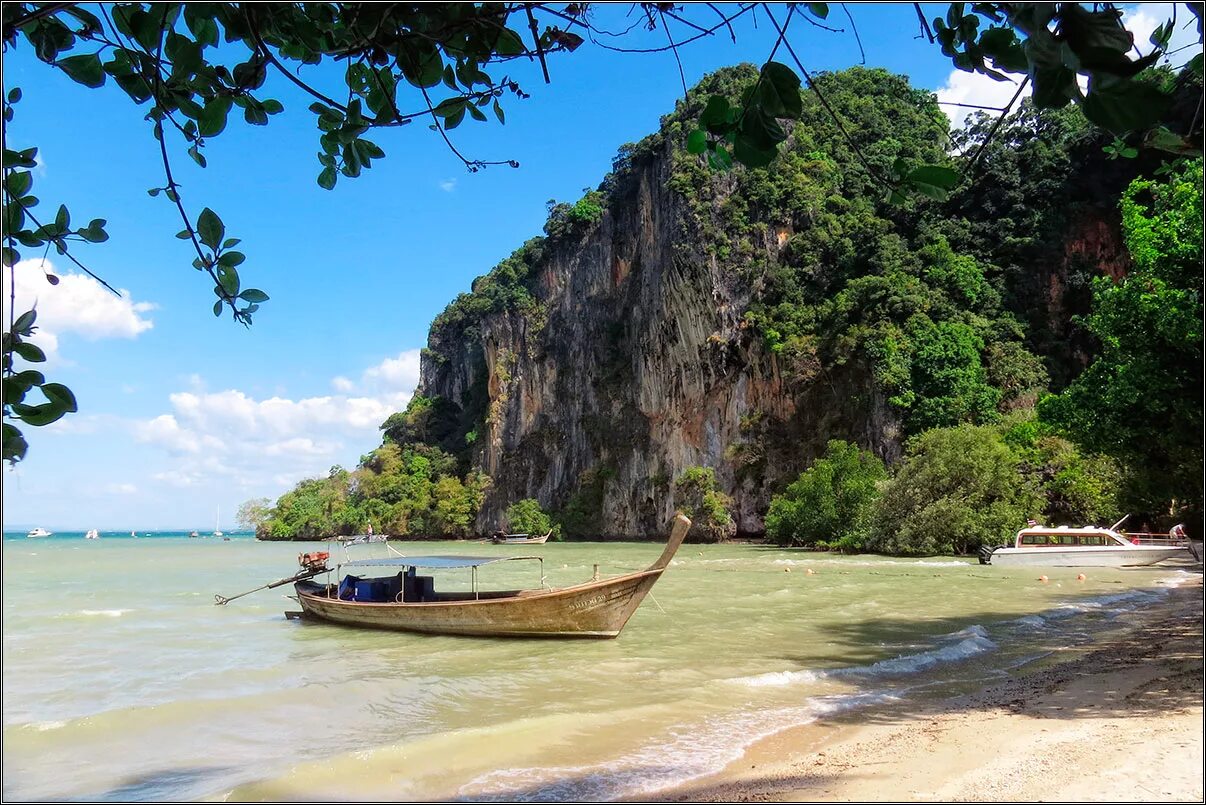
(1119, 719)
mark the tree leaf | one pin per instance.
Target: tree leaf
(25, 321)
(15, 445)
(508, 43)
(228, 278)
(231, 259)
(1127, 106)
(30, 352)
(715, 116)
(254, 295)
(61, 396)
(39, 415)
(210, 228)
(213, 116)
(697, 141)
(84, 69)
(449, 107)
(936, 175)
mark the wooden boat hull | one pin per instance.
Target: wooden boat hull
(595, 609)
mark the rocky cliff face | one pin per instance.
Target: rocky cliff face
(636, 367)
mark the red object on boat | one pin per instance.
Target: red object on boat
(313, 561)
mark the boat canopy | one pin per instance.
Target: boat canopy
(433, 561)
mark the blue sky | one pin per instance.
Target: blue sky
(182, 413)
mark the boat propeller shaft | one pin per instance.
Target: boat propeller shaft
(308, 573)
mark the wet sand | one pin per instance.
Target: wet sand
(1119, 720)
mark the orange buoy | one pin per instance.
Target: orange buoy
(787, 570)
(1080, 576)
(1043, 579)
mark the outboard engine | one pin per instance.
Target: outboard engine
(986, 553)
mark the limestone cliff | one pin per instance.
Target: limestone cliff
(638, 366)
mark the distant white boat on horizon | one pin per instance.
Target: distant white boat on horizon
(217, 518)
(92, 534)
(38, 532)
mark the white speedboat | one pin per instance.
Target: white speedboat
(92, 534)
(1089, 546)
(38, 532)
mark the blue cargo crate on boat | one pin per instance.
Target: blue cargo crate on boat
(373, 590)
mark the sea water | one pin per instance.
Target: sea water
(123, 681)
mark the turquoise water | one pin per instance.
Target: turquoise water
(122, 681)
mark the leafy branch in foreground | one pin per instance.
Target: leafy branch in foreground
(23, 228)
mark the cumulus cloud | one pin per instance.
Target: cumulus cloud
(78, 305)
(397, 374)
(976, 89)
(248, 441)
(167, 433)
(448, 185)
(234, 413)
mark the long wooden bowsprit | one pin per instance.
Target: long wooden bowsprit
(312, 565)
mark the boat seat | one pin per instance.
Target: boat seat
(347, 587)
(416, 589)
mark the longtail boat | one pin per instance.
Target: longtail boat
(409, 602)
(520, 539)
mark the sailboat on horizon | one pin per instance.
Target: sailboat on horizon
(217, 519)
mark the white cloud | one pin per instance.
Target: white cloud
(448, 185)
(166, 432)
(246, 441)
(179, 478)
(121, 489)
(78, 304)
(400, 373)
(973, 88)
(235, 414)
(300, 446)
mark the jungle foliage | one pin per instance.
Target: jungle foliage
(402, 491)
(1140, 401)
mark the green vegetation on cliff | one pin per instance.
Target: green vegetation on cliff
(1141, 399)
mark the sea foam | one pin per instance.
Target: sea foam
(962, 645)
(679, 755)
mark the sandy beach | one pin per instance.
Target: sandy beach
(1120, 720)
